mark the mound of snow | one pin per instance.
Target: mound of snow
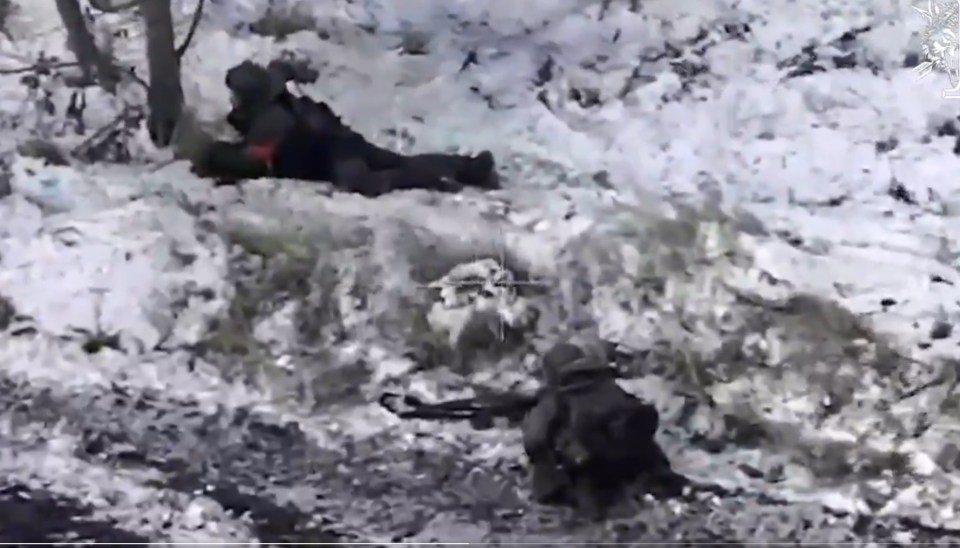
(82, 253)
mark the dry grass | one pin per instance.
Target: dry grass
(45, 150)
(281, 23)
(739, 344)
(287, 262)
(7, 9)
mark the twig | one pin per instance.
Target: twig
(89, 142)
(835, 201)
(133, 76)
(38, 66)
(194, 23)
(66, 64)
(938, 381)
(942, 378)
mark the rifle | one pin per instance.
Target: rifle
(481, 411)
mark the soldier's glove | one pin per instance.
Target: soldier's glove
(228, 163)
(239, 119)
(203, 170)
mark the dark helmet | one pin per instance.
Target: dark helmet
(252, 84)
(567, 361)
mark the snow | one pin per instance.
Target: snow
(689, 165)
(90, 276)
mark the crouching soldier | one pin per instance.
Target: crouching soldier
(585, 437)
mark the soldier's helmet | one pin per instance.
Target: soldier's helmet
(566, 361)
(253, 84)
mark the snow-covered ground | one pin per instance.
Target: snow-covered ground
(731, 222)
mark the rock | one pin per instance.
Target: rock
(5, 187)
(7, 312)
(415, 43)
(751, 224)
(900, 193)
(45, 150)
(876, 494)
(602, 179)
(938, 279)
(751, 471)
(886, 145)
(775, 474)
(949, 457)
(940, 330)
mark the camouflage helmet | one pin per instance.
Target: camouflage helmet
(566, 359)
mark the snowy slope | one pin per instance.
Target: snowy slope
(731, 224)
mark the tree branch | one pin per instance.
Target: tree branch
(194, 24)
(38, 66)
(105, 6)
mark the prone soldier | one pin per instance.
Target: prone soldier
(295, 137)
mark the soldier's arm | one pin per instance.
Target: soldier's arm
(539, 426)
(267, 130)
(229, 162)
(239, 120)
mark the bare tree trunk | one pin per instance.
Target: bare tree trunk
(165, 97)
(89, 57)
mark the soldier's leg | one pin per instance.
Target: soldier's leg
(411, 176)
(590, 498)
(376, 158)
(408, 177)
(661, 478)
(549, 484)
(475, 171)
(353, 175)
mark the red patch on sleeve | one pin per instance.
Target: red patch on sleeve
(263, 152)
